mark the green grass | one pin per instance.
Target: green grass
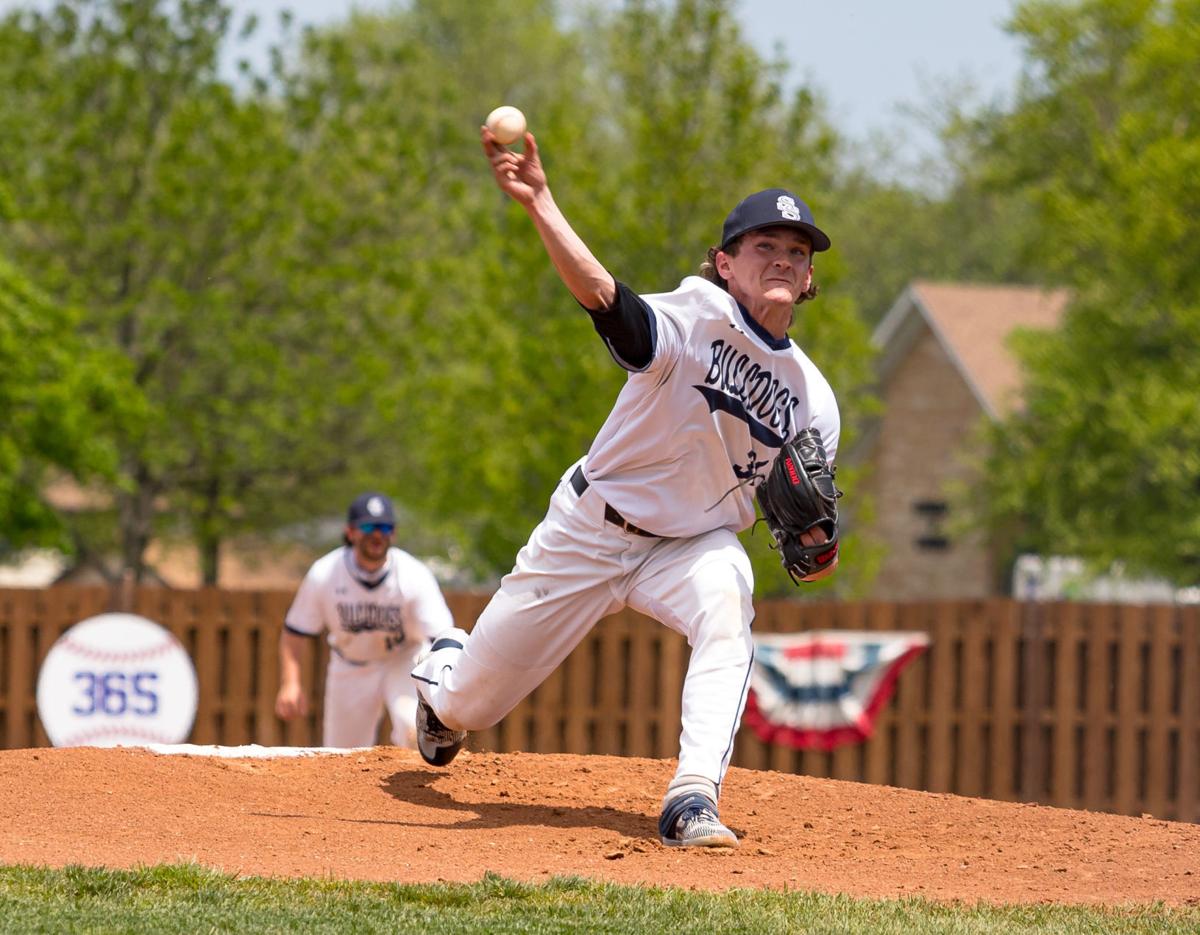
(192, 899)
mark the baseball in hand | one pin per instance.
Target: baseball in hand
(507, 124)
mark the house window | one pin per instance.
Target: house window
(934, 513)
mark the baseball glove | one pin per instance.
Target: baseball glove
(799, 495)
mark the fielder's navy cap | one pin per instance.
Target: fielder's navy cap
(774, 207)
(371, 508)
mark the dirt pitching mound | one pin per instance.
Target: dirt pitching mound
(382, 814)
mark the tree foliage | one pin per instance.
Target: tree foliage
(161, 204)
(652, 121)
(61, 398)
(1104, 461)
(976, 231)
(313, 279)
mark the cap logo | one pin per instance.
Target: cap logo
(787, 207)
(375, 506)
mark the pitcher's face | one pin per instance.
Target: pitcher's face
(771, 265)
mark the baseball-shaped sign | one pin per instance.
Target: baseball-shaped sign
(117, 680)
(507, 124)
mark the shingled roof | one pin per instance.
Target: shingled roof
(972, 323)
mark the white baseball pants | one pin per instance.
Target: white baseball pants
(356, 696)
(577, 568)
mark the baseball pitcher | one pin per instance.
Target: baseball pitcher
(649, 518)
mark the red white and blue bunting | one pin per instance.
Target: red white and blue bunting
(824, 688)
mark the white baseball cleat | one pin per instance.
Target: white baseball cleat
(691, 821)
(437, 743)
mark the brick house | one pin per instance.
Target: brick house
(944, 365)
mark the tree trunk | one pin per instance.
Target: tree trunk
(208, 537)
(136, 516)
(210, 558)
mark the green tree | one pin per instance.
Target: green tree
(1105, 142)
(168, 209)
(61, 399)
(892, 233)
(390, 107)
(314, 278)
(653, 120)
(947, 218)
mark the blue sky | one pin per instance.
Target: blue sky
(872, 56)
(869, 58)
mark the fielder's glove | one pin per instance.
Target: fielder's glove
(799, 495)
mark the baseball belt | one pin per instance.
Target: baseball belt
(580, 484)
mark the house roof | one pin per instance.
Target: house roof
(972, 323)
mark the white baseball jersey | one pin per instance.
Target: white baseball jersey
(370, 622)
(693, 433)
(689, 437)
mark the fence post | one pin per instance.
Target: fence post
(1064, 744)
(1033, 668)
(1189, 715)
(910, 747)
(973, 679)
(943, 659)
(880, 749)
(19, 663)
(123, 594)
(1161, 722)
(1006, 635)
(1097, 723)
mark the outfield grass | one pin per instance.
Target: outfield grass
(192, 899)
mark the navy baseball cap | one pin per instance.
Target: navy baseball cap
(773, 207)
(371, 508)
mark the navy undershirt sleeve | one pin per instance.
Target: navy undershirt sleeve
(627, 326)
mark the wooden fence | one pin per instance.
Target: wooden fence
(1077, 705)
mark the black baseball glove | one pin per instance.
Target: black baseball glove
(799, 495)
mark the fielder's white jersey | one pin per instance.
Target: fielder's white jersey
(694, 432)
(369, 623)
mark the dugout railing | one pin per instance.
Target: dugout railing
(1077, 705)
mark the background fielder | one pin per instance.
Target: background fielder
(649, 519)
(379, 606)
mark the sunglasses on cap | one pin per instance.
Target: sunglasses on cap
(386, 528)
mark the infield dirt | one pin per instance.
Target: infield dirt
(382, 814)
